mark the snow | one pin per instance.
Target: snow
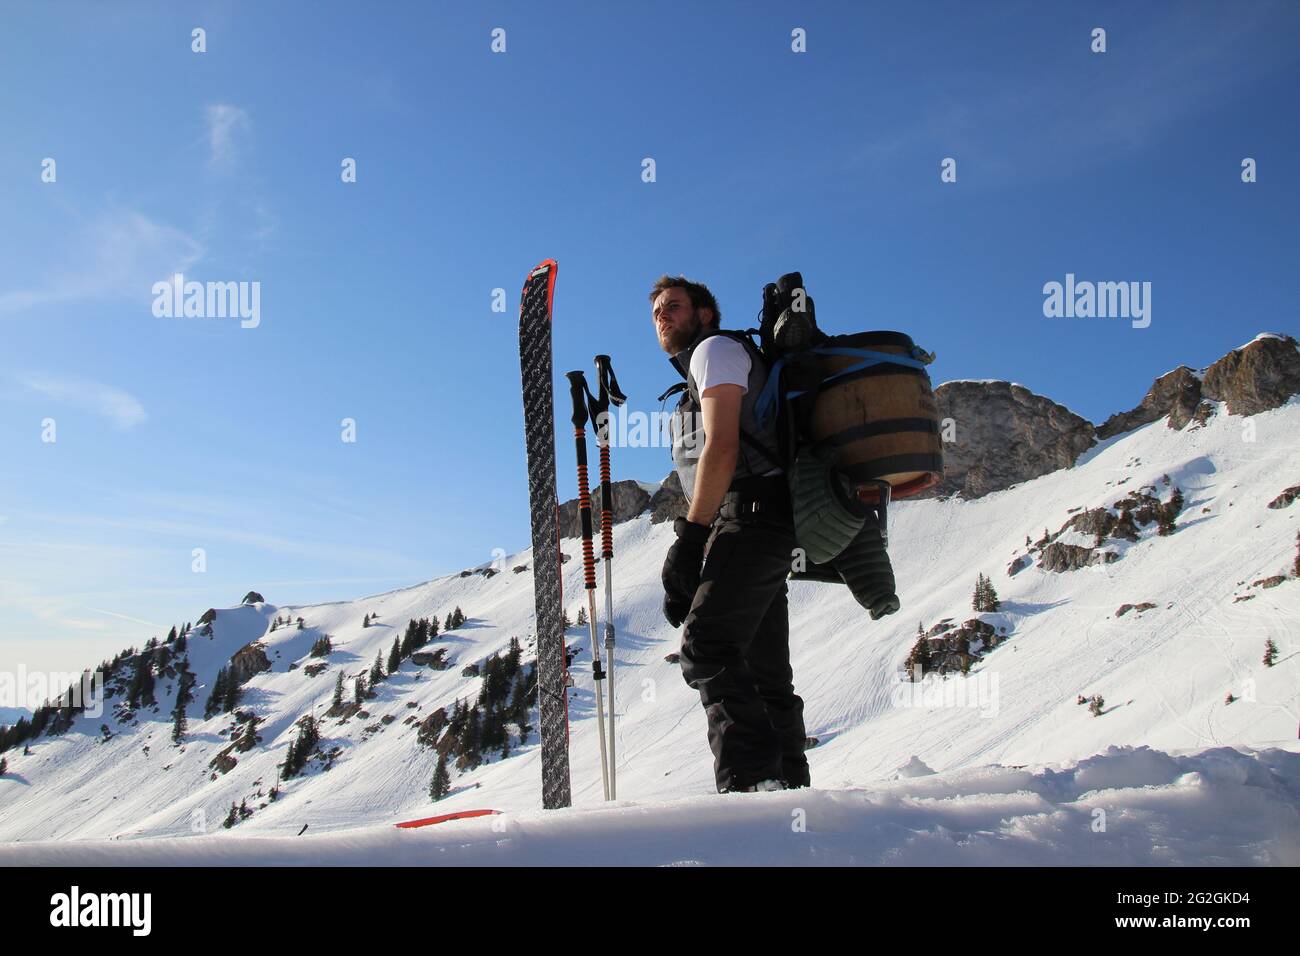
(1186, 778)
(984, 381)
(1262, 335)
(1127, 806)
(651, 488)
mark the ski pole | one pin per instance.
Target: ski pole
(607, 391)
(579, 391)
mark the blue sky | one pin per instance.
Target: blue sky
(376, 296)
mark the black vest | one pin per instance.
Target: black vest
(759, 448)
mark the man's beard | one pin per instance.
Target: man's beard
(679, 339)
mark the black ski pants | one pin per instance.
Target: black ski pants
(736, 652)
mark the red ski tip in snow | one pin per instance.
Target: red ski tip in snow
(460, 815)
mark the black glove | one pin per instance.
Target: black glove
(681, 574)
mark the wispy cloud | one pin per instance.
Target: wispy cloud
(225, 123)
(125, 617)
(120, 407)
(119, 254)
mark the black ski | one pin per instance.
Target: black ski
(539, 435)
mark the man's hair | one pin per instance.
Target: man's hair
(699, 294)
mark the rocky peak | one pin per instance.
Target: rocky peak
(1004, 434)
(630, 499)
(1176, 394)
(1262, 374)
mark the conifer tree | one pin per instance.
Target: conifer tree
(301, 749)
(918, 657)
(338, 690)
(183, 696)
(408, 643)
(1167, 512)
(248, 740)
(217, 695)
(441, 784)
(233, 693)
(359, 692)
(377, 671)
(394, 657)
(1270, 653)
(991, 600)
(582, 617)
(472, 739)
(140, 692)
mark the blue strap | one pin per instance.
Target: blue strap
(767, 398)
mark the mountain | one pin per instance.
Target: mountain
(1094, 601)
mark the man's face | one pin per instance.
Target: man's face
(676, 321)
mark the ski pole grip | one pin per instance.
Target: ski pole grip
(578, 392)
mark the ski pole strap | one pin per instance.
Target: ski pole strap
(768, 397)
(679, 387)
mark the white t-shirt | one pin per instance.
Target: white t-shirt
(720, 360)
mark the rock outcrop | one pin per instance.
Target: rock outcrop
(1004, 434)
(248, 660)
(1285, 498)
(1176, 394)
(1059, 557)
(1262, 374)
(630, 500)
(668, 502)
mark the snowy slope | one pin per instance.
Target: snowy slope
(1164, 673)
(1130, 807)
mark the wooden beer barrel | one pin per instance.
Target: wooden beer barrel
(882, 419)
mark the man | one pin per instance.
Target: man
(725, 576)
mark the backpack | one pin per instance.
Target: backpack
(829, 396)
